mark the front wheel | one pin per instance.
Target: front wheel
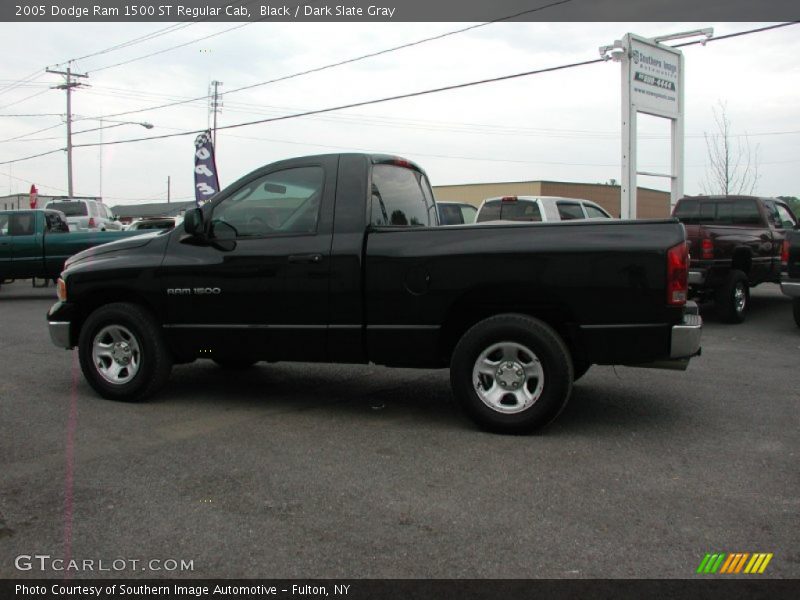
(122, 353)
(511, 373)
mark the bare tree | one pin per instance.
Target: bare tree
(733, 167)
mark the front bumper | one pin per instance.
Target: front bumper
(790, 287)
(60, 333)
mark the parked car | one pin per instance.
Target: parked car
(790, 280)
(84, 214)
(337, 258)
(538, 208)
(35, 243)
(148, 223)
(735, 243)
(455, 213)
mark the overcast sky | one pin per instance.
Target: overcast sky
(557, 126)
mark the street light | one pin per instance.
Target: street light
(144, 124)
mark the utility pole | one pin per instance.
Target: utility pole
(68, 85)
(216, 107)
(169, 187)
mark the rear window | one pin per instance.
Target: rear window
(401, 197)
(70, 209)
(510, 210)
(450, 214)
(742, 211)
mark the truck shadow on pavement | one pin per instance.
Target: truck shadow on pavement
(421, 396)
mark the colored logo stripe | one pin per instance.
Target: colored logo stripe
(734, 563)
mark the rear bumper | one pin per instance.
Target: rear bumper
(790, 287)
(685, 338)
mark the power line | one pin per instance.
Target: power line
(344, 62)
(16, 160)
(26, 98)
(386, 99)
(11, 139)
(189, 43)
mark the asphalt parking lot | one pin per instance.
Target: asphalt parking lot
(297, 470)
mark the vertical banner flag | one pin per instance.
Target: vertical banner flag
(34, 196)
(206, 182)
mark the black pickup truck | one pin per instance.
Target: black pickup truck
(338, 258)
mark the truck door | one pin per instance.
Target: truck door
(25, 245)
(266, 293)
(781, 221)
(5, 247)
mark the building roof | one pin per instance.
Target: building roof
(152, 209)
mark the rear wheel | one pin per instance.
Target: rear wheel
(733, 298)
(796, 310)
(511, 373)
(122, 353)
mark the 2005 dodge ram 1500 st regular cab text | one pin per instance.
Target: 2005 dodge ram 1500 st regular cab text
(338, 258)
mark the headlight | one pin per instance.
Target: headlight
(61, 290)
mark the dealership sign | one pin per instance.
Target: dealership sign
(654, 77)
(206, 180)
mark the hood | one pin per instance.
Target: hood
(117, 246)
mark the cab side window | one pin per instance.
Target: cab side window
(285, 201)
(21, 224)
(400, 197)
(786, 219)
(55, 224)
(569, 211)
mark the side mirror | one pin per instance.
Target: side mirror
(193, 221)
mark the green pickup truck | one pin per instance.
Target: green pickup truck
(35, 243)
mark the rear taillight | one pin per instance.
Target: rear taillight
(708, 249)
(785, 252)
(677, 274)
(92, 223)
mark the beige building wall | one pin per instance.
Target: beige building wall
(652, 204)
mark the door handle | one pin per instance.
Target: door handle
(305, 258)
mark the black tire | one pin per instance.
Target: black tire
(525, 336)
(235, 364)
(733, 298)
(796, 310)
(153, 359)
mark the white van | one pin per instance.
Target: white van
(84, 214)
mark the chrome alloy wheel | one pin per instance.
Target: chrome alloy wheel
(116, 354)
(740, 298)
(508, 377)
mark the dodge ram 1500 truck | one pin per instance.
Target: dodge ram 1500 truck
(35, 243)
(735, 244)
(338, 258)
